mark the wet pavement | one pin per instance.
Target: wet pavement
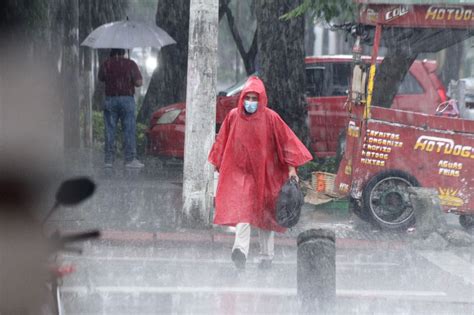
(146, 264)
(153, 277)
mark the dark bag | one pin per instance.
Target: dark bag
(289, 203)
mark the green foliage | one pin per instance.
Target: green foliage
(328, 165)
(98, 129)
(304, 171)
(322, 165)
(327, 9)
(141, 138)
(98, 134)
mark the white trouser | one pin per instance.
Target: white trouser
(266, 240)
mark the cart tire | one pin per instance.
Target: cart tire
(386, 199)
(466, 221)
(356, 208)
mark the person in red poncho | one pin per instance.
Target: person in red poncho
(255, 153)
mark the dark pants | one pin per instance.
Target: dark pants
(123, 108)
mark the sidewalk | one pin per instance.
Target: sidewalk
(346, 236)
(143, 206)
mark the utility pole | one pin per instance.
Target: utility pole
(200, 112)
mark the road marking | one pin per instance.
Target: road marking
(450, 263)
(389, 293)
(216, 261)
(245, 290)
(179, 290)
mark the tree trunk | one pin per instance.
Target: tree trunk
(389, 75)
(248, 57)
(200, 112)
(281, 62)
(404, 45)
(86, 73)
(309, 36)
(452, 63)
(70, 74)
(168, 83)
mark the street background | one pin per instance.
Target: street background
(145, 262)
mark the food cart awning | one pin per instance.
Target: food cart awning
(424, 26)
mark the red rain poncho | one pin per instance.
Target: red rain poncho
(252, 154)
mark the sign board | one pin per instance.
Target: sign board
(454, 16)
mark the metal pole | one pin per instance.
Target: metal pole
(461, 98)
(373, 62)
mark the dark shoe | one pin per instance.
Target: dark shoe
(265, 264)
(238, 257)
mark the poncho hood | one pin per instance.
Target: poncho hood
(255, 85)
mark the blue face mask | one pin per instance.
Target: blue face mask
(250, 106)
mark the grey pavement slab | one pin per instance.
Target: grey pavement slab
(114, 278)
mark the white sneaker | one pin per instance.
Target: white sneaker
(134, 164)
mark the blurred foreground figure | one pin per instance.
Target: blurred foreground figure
(255, 152)
(23, 249)
(121, 76)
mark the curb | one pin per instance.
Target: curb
(203, 237)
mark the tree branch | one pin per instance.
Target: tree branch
(249, 59)
(235, 33)
(223, 6)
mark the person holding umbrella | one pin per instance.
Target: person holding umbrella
(121, 76)
(255, 153)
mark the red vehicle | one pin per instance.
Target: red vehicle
(327, 84)
(389, 150)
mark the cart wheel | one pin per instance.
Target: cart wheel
(386, 199)
(358, 210)
(466, 221)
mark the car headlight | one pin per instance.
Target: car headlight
(168, 117)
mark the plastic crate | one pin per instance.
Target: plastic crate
(324, 183)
